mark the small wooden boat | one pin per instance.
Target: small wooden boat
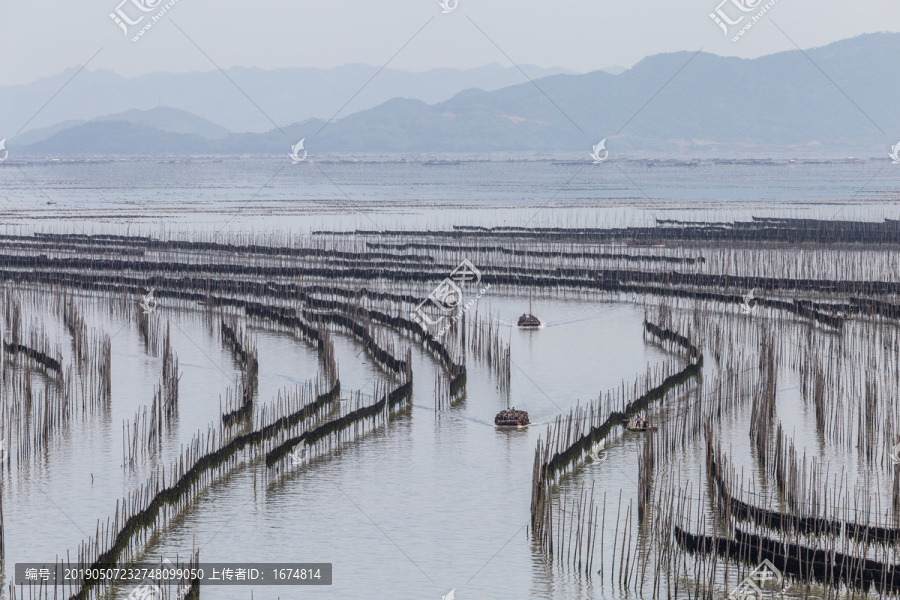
(638, 423)
(528, 320)
(511, 418)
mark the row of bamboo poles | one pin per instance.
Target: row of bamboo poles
(306, 415)
(827, 315)
(571, 439)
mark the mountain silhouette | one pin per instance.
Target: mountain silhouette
(668, 103)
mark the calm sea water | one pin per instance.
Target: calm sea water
(239, 194)
(426, 503)
(412, 509)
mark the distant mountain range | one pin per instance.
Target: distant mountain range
(171, 120)
(832, 98)
(282, 95)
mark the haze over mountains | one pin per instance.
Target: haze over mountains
(840, 96)
(284, 95)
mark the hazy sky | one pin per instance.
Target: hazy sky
(43, 38)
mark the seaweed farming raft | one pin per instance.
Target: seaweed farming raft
(795, 317)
